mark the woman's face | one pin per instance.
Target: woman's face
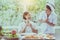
(48, 11)
(28, 16)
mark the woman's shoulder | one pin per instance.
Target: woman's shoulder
(54, 14)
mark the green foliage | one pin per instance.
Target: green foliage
(38, 6)
(57, 10)
(11, 11)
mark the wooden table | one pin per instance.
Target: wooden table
(38, 39)
(5, 38)
(12, 38)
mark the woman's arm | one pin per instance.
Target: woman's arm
(41, 21)
(46, 21)
(23, 31)
(33, 29)
(51, 24)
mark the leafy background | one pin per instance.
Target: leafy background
(11, 11)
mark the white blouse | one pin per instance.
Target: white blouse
(28, 29)
(45, 28)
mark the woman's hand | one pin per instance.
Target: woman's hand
(28, 24)
(42, 21)
(51, 24)
(33, 29)
(46, 21)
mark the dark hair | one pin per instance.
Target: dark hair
(25, 13)
(48, 7)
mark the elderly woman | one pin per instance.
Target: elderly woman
(48, 19)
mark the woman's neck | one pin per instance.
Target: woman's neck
(48, 15)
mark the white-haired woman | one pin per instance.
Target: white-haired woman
(48, 19)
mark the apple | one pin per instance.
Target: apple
(13, 32)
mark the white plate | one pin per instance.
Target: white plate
(25, 34)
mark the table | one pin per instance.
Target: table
(38, 39)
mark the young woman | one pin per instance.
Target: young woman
(27, 26)
(48, 19)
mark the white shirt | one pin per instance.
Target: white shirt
(46, 28)
(28, 29)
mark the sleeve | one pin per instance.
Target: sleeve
(21, 27)
(34, 25)
(55, 19)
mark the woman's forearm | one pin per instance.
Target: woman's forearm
(34, 30)
(51, 24)
(23, 31)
